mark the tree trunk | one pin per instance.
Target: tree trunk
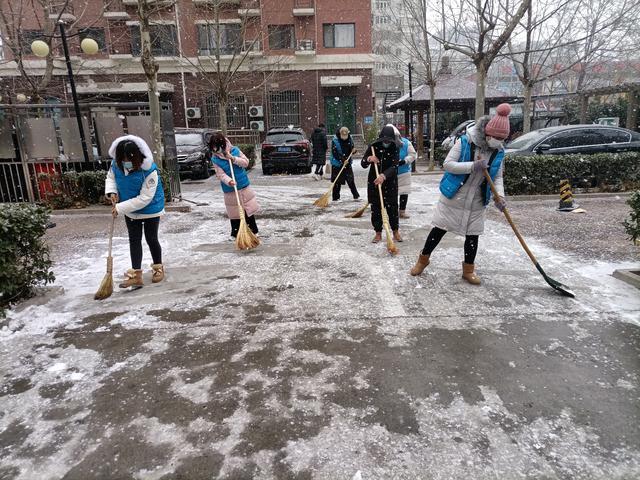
(481, 83)
(632, 110)
(584, 108)
(150, 67)
(420, 133)
(222, 114)
(432, 126)
(526, 108)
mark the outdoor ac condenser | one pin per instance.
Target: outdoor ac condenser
(194, 112)
(256, 111)
(257, 125)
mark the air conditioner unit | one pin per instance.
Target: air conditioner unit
(257, 125)
(256, 111)
(305, 45)
(194, 112)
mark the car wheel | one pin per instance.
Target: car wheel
(266, 170)
(308, 169)
(203, 175)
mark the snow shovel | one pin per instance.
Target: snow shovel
(563, 289)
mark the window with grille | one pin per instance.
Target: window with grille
(284, 108)
(236, 112)
(281, 37)
(96, 34)
(339, 35)
(219, 39)
(27, 37)
(164, 40)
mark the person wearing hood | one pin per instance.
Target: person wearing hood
(342, 150)
(319, 147)
(222, 153)
(407, 157)
(385, 152)
(135, 188)
(464, 190)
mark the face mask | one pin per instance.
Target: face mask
(495, 143)
(344, 137)
(128, 165)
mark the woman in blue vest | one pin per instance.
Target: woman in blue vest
(407, 157)
(464, 190)
(135, 187)
(341, 149)
(222, 152)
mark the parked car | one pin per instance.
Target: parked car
(194, 155)
(569, 139)
(286, 149)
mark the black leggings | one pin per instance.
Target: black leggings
(135, 227)
(404, 198)
(235, 225)
(436, 234)
(319, 169)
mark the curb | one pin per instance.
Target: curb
(628, 276)
(97, 210)
(524, 198)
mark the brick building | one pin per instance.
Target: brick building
(302, 61)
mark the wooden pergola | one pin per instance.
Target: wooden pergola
(452, 94)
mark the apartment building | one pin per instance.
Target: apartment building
(297, 62)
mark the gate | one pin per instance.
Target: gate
(38, 141)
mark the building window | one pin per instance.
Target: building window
(382, 4)
(236, 112)
(339, 35)
(381, 20)
(164, 41)
(281, 37)
(27, 37)
(219, 39)
(284, 108)
(96, 34)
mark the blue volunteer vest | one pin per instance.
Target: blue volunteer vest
(404, 152)
(242, 179)
(451, 183)
(129, 187)
(334, 161)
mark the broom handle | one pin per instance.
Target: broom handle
(344, 165)
(383, 210)
(113, 226)
(495, 193)
(235, 189)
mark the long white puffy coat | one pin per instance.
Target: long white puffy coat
(464, 214)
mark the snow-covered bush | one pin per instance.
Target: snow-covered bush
(632, 224)
(606, 172)
(24, 255)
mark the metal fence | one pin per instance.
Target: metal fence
(236, 112)
(40, 142)
(284, 108)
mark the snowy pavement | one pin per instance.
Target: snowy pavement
(318, 357)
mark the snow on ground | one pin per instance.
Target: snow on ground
(318, 356)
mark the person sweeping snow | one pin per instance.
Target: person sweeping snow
(464, 190)
(135, 188)
(222, 153)
(407, 157)
(342, 150)
(385, 153)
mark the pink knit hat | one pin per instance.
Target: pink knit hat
(498, 126)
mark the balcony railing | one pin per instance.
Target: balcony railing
(304, 8)
(305, 47)
(304, 4)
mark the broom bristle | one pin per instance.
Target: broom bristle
(323, 201)
(358, 213)
(106, 288)
(246, 239)
(391, 247)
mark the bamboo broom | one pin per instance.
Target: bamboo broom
(391, 246)
(245, 239)
(106, 286)
(358, 213)
(323, 201)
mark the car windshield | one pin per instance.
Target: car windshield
(284, 137)
(527, 140)
(189, 139)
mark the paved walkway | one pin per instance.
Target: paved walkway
(317, 356)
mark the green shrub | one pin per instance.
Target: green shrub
(371, 133)
(73, 189)
(250, 151)
(606, 172)
(165, 175)
(632, 224)
(24, 255)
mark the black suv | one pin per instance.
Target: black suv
(194, 156)
(584, 139)
(286, 149)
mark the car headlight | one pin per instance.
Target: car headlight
(194, 157)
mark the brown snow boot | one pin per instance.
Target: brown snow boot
(158, 272)
(403, 214)
(377, 238)
(421, 264)
(132, 279)
(397, 237)
(468, 275)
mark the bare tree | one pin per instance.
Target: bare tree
(479, 29)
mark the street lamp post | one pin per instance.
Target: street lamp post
(89, 46)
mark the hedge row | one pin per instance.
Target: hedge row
(605, 172)
(632, 224)
(24, 255)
